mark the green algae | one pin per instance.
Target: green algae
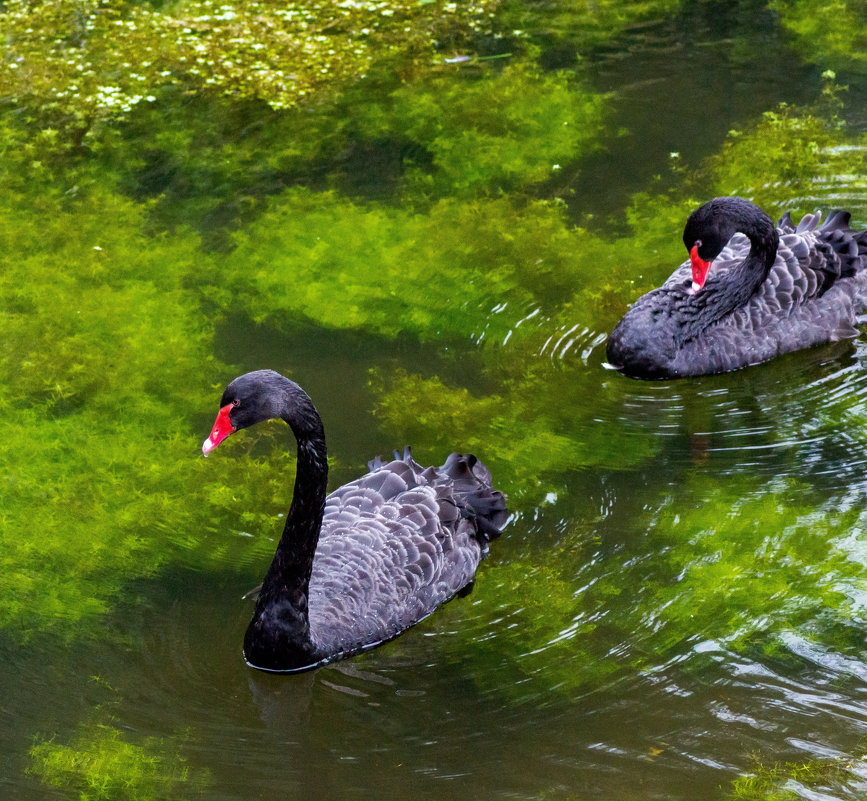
(109, 312)
(729, 561)
(539, 406)
(72, 365)
(107, 363)
(100, 763)
(371, 267)
(753, 566)
(368, 265)
(81, 64)
(830, 34)
(490, 130)
(583, 25)
(789, 781)
(722, 565)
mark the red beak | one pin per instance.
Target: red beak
(222, 428)
(699, 269)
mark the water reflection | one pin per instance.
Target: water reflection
(800, 413)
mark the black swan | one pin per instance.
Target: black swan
(355, 568)
(771, 291)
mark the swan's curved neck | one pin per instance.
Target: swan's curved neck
(280, 622)
(722, 295)
(301, 533)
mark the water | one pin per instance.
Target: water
(679, 598)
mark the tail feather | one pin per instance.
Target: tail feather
(479, 501)
(468, 488)
(850, 246)
(809, 222)
(838, 220)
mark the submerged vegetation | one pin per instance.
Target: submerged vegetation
(721, 565)
(400, 174)
(106, 359)
(829, 33)
(100, 764)
(536, 418)
(76, 64)
(789, 781)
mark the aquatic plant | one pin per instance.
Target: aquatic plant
(76, 64)
(535, 431)
(372, 267)
(499, 267)
(668, 581)
(108, 364)
(491, 130)
(790, 781)
(791, 152)
(583, 25)
(753, 566)
(829, 33)
(144, 142)
(100, 764)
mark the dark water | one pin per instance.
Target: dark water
(682, 605)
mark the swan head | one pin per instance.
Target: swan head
(264, 395)
(706, 233)
(711, 226)
(704, 238)
(249, 399)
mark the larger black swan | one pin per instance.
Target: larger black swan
(359, 566)
(770, 291)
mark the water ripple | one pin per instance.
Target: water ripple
(809, 405)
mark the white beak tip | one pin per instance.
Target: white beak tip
(695, 287)
(207, 446)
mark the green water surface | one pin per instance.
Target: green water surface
(430, 215)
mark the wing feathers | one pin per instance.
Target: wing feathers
(396, 543)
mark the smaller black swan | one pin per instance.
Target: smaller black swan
(357, 567)
(771, 291)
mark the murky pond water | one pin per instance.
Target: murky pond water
(677, 608)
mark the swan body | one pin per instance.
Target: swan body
(357, 567)
(750, 291)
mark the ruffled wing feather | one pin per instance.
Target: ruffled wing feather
(396, 544)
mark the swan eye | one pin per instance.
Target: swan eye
(698, 243)
(236, 402)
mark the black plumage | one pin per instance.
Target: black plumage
(769, 291)
(355, 568)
